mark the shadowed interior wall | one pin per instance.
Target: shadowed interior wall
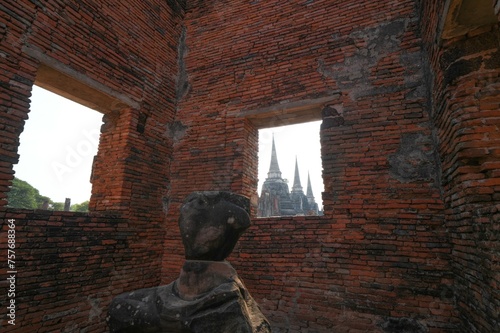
(381, 251)
(410, 150)
(123, 55)
(465, 87)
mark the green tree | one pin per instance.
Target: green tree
(81, 207)
(22, 195)
(57, 205)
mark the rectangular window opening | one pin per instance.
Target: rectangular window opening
(57, 149)
(290, 171)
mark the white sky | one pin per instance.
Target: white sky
(58, 145)
(60, 139)
(300, 140)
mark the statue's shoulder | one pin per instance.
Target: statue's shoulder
(137, 310)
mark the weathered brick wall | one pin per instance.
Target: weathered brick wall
(71, 265)
(310, 274)
(402, 243)
(381, 251)
(465, 74)
(468, 122)
(16, 76)
(129, 48)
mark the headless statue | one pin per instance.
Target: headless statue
(208, 296)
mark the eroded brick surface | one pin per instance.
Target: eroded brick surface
(382, 250)
(409, 139)
(465, 82)
(71, 265)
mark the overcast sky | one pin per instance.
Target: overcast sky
(58, 144)
(60, 140)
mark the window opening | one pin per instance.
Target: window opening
(57, 148)
(290, 171)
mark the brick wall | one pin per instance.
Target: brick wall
(71, 265)
(310, 274)
(465, 74)
(17, 75)
(101, 46)
(409, 144)
(381, 251)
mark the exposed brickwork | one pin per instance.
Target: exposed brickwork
(466, 110)
(16, 76)
(381, 251)
(310, 274)
(410, 144)
(71, 265)
(102, 43)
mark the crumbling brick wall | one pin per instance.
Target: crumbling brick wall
(70, 264)
(409, 147)
(381, 251)
(69, 267)
(465, 85)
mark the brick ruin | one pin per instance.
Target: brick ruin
(409, 94)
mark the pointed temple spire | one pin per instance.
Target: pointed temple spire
(309, 188)
(296, 179)
(274, 169)
(277, 200)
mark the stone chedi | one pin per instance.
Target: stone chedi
(208, 296)
(277, 200)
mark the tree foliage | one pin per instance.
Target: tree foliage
(81, 207)
(57, 206)
(23, 195)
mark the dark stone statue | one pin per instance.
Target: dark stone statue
(208, 296)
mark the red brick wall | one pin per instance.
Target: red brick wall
(466, 110)
(408, 140)
(381, 251)
(71, 265)
(102, 44)
(17, 74)
(318, 274)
